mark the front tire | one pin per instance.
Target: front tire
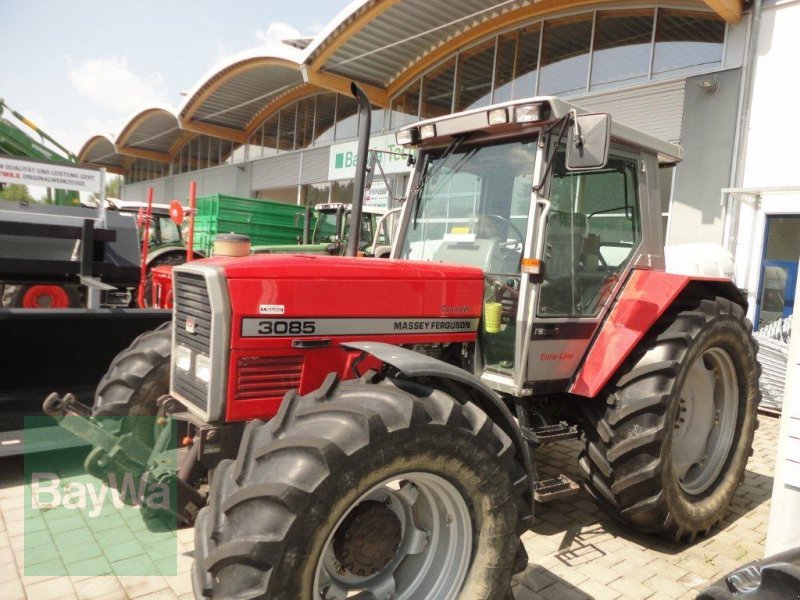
(137, 377)
(424, 483)
(668, 446)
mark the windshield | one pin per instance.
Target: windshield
(325, 229)
(473, 206)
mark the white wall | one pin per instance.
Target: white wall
(774, 134)
(772, 139)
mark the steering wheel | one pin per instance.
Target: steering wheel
(519, 240)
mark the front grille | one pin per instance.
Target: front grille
(263, 378)
(192, 329)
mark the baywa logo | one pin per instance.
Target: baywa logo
(48, 491)
(115, 522)
(346, 160)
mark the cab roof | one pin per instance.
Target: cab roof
(553, 109)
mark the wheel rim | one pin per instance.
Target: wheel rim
(45, 296)
(419, 546)
(706, 421)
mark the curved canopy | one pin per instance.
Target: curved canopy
(228, 98)
(151, 133)
(100, 151)
(381, 44)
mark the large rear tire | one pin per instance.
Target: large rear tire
(137, 377)
(424, 484)
(667, 447)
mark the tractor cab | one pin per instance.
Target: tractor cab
(552, 204)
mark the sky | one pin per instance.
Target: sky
(84, 67)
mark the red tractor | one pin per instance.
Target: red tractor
(369, 426)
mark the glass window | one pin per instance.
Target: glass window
(565, 55)
(377, 119)
(437, 90)
(687, 40)
(314, 193)
(286, 128)
(504, 67)
(405, 107)
(254, 141)
(342, 191)
(287, 195)
(517, 64)
(305, 123)
(346, 117)
(325, 118)
(776, 297)
(474, 87)
(592, 231)
(270, 136)
(622, 43)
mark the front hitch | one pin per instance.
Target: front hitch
(127, 464)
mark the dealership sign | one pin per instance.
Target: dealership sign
(344, 157)
(51, 175)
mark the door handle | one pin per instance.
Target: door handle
(541, 332)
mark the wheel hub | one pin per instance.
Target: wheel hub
(368, 539)
(705, 421)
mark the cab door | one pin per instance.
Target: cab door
(592, 236)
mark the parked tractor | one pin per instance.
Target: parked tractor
(369, 426)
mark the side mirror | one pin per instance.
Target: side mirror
(588, 141)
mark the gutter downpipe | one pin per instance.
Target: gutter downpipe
(364, 125)
(747, 95)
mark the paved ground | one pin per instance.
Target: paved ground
(575, 552)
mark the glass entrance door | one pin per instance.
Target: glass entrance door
(778, 269)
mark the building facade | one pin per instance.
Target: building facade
(280, 124)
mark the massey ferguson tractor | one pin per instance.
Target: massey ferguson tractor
(368, 428)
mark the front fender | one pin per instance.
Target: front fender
(415, 365)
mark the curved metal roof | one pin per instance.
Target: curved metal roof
(155, 128)
(377, 40)
(230, 96)
(382, 44)
(100, 151)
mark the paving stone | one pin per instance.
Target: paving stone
(142, 585)
(100, 588)
(52, 589)
(13, 590)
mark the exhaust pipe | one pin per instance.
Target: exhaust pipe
(364, 126)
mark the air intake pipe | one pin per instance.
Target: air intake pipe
(364, 125)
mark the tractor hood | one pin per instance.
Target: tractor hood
(304, 266)
(279, 322)
(304, 286)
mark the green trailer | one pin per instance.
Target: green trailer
(266, 222)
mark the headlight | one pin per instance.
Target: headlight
(498, 116)
(427, 131)
(202, 368)
(404, 137)
(183, 358)
(528, 113)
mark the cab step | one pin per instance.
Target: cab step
(548, 434)
(546, 490)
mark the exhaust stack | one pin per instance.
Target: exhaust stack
(364, 125)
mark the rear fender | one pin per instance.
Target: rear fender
(417, 366)
(646, 296)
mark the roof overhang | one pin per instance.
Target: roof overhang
(386, 43)
(99, 151)
(228, 99)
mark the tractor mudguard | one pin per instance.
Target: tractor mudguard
(416, 365)
(646, 296)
